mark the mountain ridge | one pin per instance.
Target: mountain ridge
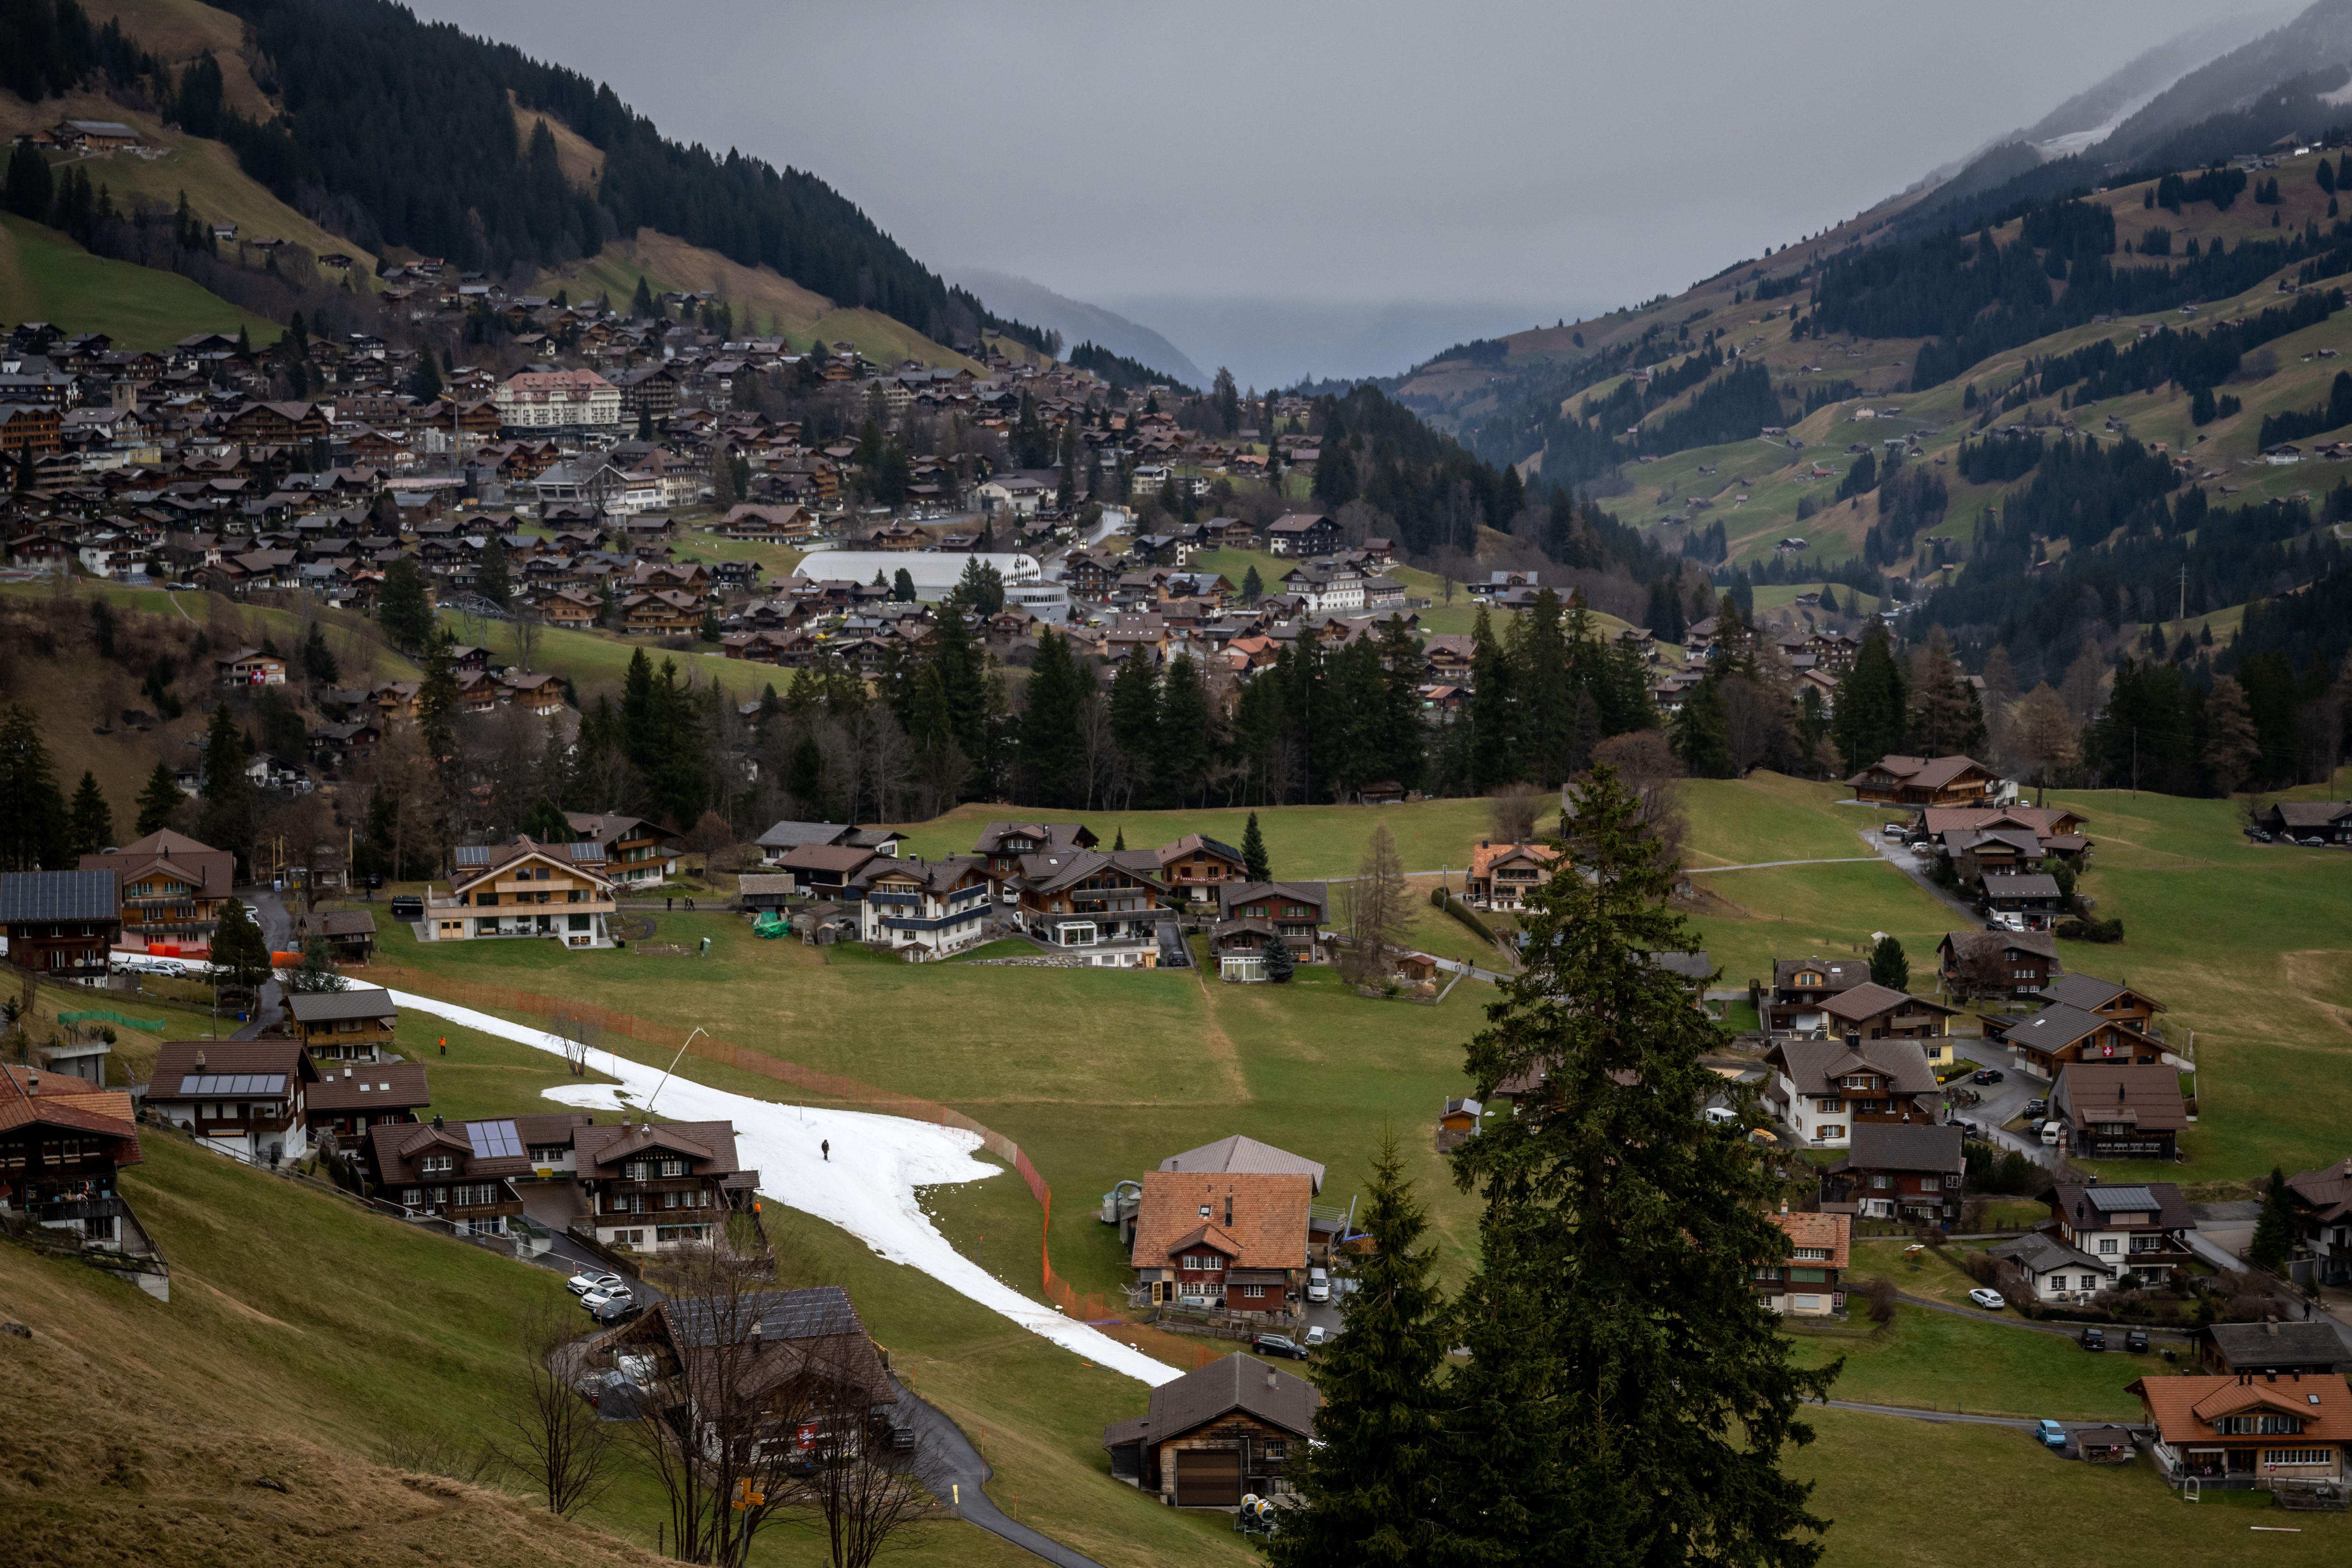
(1078, 320)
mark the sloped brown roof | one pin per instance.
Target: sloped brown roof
(1869, 999)
(1268, 1229)
(2184, 1409)
(709, 1146)
(1923, 773)
(1236, 1382)
(2148, 1096)
(1833, 1233)
(370, 1085)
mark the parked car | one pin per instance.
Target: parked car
(1278, 1345)
(2037, 1106)
(2052, 1130)
(1989, 1075)
(2051, 1434)
(2095, 1339)
(1891, 830)
(589, 1279)
(1968, 1129)
(407, 906)
(1318, 1285)
(2136, 1341)
(595, 1300)
(1987, 1298)
(615, 1310)
(2313, 841)
(1317, 1334)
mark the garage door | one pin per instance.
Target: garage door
(1208, 1478)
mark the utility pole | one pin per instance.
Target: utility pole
(2184, 590)
(2135, 790)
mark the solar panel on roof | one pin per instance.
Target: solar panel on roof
(2117, 1200)
(493, 1140)
(232, 1083)
(471, 854)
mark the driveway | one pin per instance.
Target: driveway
(2002, 1101)
(277, 931)
(961, 1471)
(1900, 857)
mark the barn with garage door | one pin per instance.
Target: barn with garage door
(1233, 1427)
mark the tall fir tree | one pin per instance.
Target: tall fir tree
(159, 799)
(1254, 864)
(1364, 1487)
(1052, 747)
(1889, 965)
(401, 605)
(493, 579)
(34, 832)
(1868, 720)
(436, 698)
(1187, 738)
(1495, 758)
(89, 819)
(1702, 731)
(2274, 1239)
(1633, 1400)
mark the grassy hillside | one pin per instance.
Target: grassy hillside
(177, 31)
(764, 301)
(207, 172)
(46, 277)
(1754, 487)
(80, 696)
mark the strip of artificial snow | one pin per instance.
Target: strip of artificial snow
(867, 1187)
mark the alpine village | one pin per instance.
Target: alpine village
(1719, 933)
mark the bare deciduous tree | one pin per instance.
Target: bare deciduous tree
(1644, 760)
(865, 1488)
(554, 1437)
(2043, 736)
(527, 628)
(1514, 812)
(718, 1438)
(1376, 907)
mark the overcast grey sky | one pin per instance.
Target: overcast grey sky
(1514, 160)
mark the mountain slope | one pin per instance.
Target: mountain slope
(1077, 322)
(46, 277)
(2096, 112)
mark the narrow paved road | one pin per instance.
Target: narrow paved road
(1944, 1417)
(1768, 865)
(961, 1471)
(277, 931)
(1902, 859)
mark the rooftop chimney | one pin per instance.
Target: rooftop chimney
(200, 1061)
(436, 1122)
(1269, 1377)
(2271, 1325)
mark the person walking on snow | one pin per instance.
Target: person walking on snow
(825, 1146)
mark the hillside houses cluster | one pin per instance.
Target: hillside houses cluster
(1055, 883)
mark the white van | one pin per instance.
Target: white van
(2050, 1131)
(1318, 1285)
